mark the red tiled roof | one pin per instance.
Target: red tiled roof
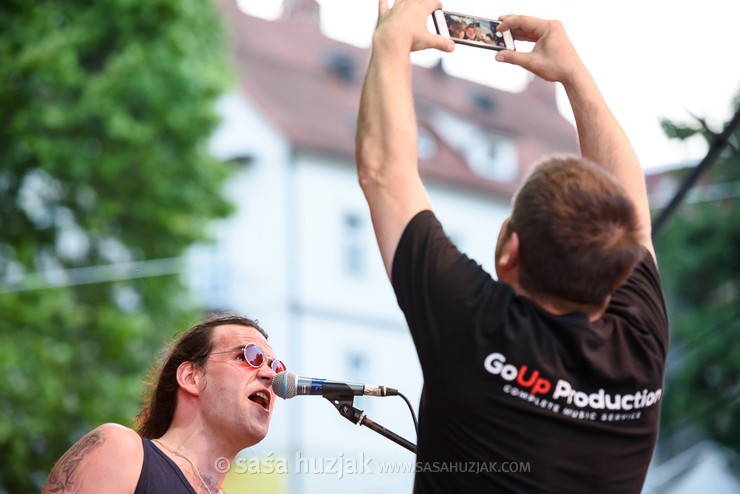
(293, 74)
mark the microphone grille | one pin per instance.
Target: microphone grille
(285, 384)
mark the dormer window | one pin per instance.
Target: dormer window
(493, 156)
(489, 155)
(482, 102)
(342, 66)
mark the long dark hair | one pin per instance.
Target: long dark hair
(194, 346)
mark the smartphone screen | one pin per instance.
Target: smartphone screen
(474, 30)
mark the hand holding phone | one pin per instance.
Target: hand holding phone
(553, 56)
(472, 30)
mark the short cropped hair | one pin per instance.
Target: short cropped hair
(578, 231)
(194, 346)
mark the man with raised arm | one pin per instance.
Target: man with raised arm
(548, 379)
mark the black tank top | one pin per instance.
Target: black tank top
(159, 474)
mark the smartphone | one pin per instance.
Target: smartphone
(472, 30)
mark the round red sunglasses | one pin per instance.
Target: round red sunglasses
(254, 356)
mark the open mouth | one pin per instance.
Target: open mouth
(262, 398)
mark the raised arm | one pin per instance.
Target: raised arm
(602, 139)
(386, 141)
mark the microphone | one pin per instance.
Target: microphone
(287, 384)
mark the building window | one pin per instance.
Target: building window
(494, 157)
(356, 364)
(353, 250)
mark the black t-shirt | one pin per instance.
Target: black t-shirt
(517, 399)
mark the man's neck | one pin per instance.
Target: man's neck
(208, 458)
(559, 307)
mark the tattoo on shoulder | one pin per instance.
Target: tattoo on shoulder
(62, 477)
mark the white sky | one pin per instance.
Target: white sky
(651, 58)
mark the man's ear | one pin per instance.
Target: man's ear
(507, 262)
(191, 378)
(510, 252)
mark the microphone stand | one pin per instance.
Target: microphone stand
(344, 404)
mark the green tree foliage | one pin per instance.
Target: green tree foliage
(105, 112)
(699, 255)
